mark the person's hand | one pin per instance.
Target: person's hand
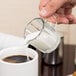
(59, 11)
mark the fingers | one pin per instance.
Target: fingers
(62, 19)
(62, 10)
(51, 7)
(59, 19)
(71, 18)
(68, 13)
(74, 21)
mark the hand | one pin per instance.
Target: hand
(59, 11)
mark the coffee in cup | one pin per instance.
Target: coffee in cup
(17, 59)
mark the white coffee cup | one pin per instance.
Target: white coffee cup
(29, 68)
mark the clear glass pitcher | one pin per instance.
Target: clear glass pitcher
(42, 35)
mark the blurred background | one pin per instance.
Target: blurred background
(14, 15)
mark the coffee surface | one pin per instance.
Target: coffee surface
(17, 59)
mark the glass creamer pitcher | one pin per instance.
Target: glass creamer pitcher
(42, 35)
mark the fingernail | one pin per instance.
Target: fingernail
(43, 12)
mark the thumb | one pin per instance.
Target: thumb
(51, 7)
